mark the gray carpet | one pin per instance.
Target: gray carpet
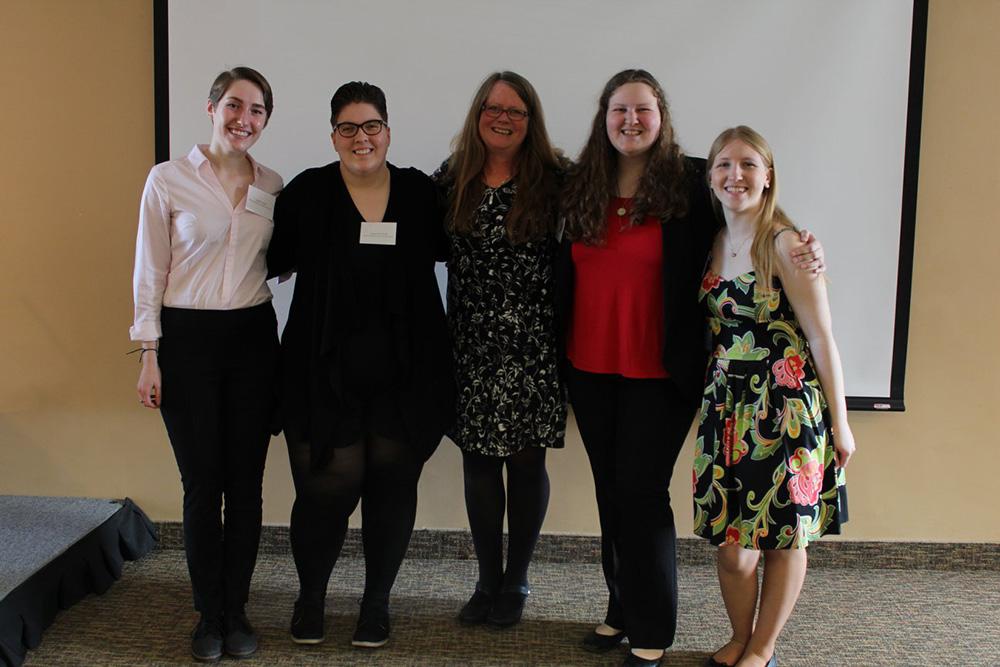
(36, 529)
(846, 616)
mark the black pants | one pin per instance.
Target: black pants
(219, 372)
(633, 431)
(380, 472)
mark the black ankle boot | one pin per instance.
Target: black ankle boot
(508, 607)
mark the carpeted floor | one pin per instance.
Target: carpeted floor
(845, 617)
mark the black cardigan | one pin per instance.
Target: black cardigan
(687, 241)
(316, 226)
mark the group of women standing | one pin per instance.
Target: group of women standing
(583, 276)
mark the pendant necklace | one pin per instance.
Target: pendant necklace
(732, 252)
(623, 220)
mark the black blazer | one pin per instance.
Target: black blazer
(687, 241)
(316, 228)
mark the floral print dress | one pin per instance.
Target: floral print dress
(502, 321)
(764, 470)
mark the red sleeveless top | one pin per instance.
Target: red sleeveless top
(617, 324)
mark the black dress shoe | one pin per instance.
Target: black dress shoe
(240, 640)
(632, 660)
(477, 608)
(598, 643)
(712, 662)
(508, 607)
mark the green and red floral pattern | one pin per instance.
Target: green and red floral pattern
(764, 471)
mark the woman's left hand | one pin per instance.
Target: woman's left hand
(809, 256)
(843, 445)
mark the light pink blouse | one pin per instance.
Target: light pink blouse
(194, 249)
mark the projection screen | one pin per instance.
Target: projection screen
(835, 87)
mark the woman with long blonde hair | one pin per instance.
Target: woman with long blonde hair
(773, 438)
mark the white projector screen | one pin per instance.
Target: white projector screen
(829, 84)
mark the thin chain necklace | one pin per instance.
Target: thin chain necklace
(739, 248)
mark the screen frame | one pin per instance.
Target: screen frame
(894, 402)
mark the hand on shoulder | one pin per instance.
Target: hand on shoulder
(797, 254)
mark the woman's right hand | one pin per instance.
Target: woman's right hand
(149, 387)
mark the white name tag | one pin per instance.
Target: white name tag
(260, 202)
(378, 233)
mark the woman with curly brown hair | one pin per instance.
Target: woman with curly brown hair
(639, 226)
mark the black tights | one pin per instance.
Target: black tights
(383, 474)
(526, 499)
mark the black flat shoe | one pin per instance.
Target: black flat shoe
(475, 611)
(712, 662)
(508, 607)
(307, 622)
(373, 626)
(632, 660)
(598, 643)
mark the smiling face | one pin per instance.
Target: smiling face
(739, 177)
(238, 118)
(502, 135)
(361, 155)
(633, 119)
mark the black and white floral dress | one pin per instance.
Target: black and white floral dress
(501, 315)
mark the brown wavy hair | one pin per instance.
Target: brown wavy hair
(533, 214)
(772, 220)
(593, 181)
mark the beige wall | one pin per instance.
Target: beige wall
(77, 138)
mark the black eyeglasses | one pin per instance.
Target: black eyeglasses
(369, 127)
(495, 111)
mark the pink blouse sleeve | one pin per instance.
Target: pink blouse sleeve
(152, 258)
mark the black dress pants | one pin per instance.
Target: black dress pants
(219, 371)
(633, 431)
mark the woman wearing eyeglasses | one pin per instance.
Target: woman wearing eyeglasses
(368, 384)
(502, 181)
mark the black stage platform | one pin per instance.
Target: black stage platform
(56, 551)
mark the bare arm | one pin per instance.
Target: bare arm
(806, 291)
